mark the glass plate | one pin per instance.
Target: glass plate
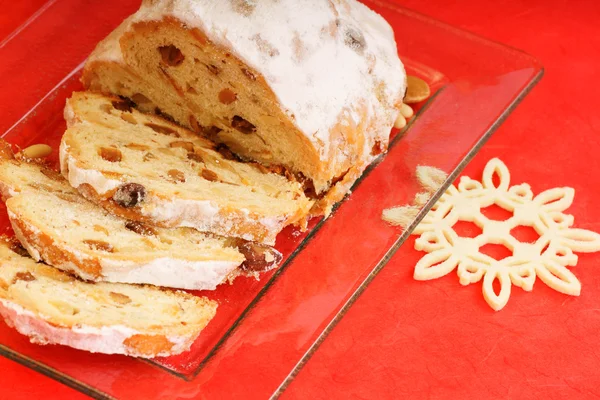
(265, 330)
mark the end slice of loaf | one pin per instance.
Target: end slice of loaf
(147, 169)
(52, 307)
(315, 88)
(60, 227)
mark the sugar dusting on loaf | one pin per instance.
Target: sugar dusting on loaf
(299, 47)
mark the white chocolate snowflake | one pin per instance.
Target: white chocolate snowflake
(547, 258)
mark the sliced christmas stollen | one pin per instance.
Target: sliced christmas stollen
(60, 227)
(52, 307)
(147, 169)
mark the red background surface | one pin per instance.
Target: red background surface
(407, 339)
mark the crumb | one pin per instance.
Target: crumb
(431, 178)
(421, 199)
(400, 216)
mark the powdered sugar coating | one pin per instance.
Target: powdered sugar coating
(106, 339)
(170, 272)
(321, 58)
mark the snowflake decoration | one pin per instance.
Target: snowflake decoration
(547, 258)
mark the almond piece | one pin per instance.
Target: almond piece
(36, 151)
(417, 90)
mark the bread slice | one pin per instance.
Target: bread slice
(52, 307)
(57, 225)
(147, 169)
(314, 88)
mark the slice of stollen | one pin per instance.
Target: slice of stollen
(52, 307)
(60, 227)
(147, 169)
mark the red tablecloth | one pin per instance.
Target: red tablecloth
(543, 344)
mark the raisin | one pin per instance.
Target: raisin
(259, 257)
(209, 175)
(227, 96)
(130, 195)
(110, 154)
(171, 55)
(226, 153)
(242, 125)
(165, 130)
(124, 105)
(99, 245)
(140, 228)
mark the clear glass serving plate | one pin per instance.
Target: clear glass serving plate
(265, 330)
